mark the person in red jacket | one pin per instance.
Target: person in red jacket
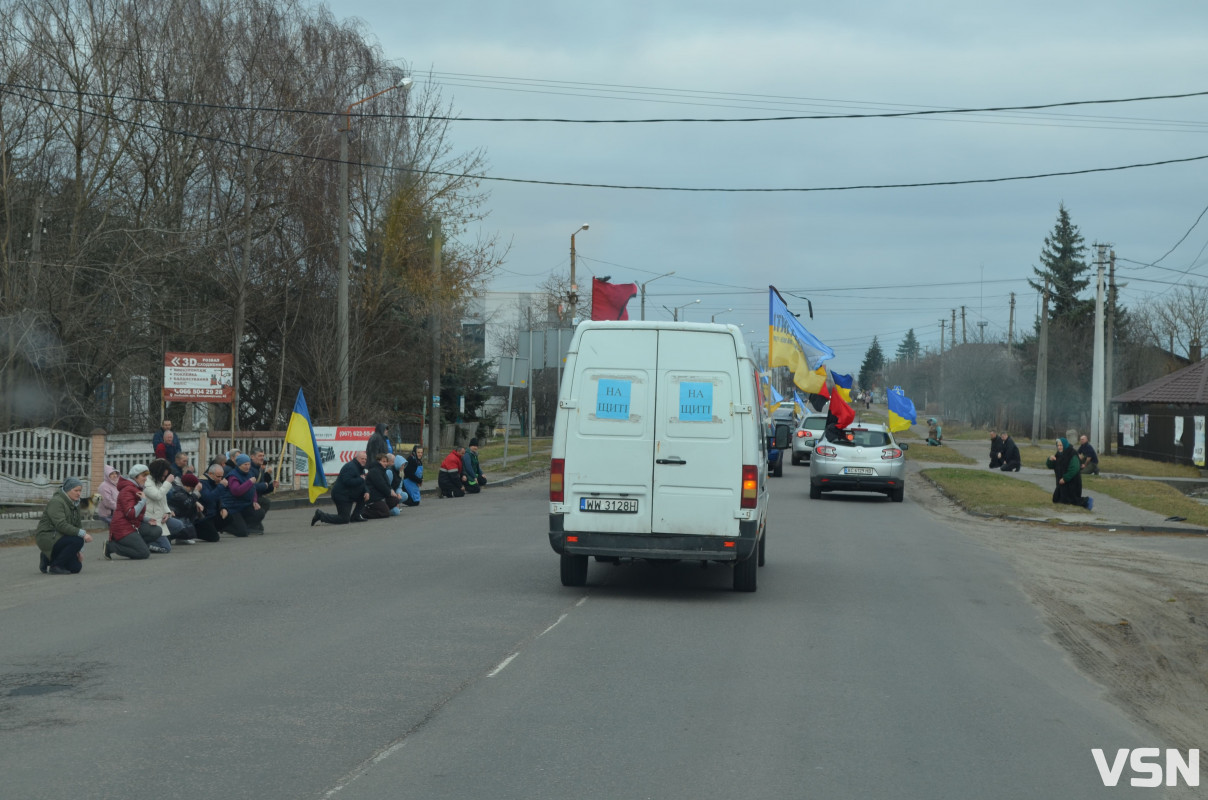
(129, 534)
(451, 475)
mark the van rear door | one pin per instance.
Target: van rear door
(610, 432)
(697, 439)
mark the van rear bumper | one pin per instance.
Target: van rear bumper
(655, 545)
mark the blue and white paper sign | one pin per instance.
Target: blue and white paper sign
(612, 399)
(695, 401)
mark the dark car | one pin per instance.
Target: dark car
(779, 437)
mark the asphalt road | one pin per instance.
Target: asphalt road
(437, 656)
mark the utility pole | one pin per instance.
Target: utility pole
(964, 333)
(1011, 323)
(1110, 352)
(1041, 396)
(981, 332)
(943, 323)
(434, 428)
(1097, 374)
(952, 332)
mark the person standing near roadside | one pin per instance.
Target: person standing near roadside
(379, 443)
(158, 438)
(1088, 459)
(451, 478)
(475, 480)
(349, 494)
(60, 537)
(168, 448)
(1010, 454)
(129, 534)
(413, 476)
(1066, 468)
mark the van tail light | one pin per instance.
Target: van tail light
(557, 471)
(890, 453)
(750, 486)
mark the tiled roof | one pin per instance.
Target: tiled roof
(1189, 385)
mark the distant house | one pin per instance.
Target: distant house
(1164, 419)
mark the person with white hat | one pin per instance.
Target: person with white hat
(60, 537)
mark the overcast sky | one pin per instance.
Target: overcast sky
(873, 261)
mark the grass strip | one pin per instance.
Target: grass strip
(994, 493)
(1149, 495)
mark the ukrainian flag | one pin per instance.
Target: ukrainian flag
(901, 410)
(843, 385)
(302, 436)
(811, 382)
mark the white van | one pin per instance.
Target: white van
(659, 449)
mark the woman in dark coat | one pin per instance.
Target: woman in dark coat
(1068, 471)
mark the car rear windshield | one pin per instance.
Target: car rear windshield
(814, 423)
(870, 438)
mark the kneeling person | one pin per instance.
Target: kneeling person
(382, 496)
(60, 537)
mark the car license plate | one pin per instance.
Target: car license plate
(608, 504)
(859, 471)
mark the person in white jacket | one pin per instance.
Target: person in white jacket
(157, 512)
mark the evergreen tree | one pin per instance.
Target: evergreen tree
(870, 370)
(908, 350)
(1062, 262)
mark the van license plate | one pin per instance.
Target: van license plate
(859, 471)
(607, 504)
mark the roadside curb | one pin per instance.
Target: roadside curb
(301, 501)
(1063, 523)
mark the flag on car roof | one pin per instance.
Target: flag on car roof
(608, 300)
(790, 344)
(301, 434)
(901, 410)
(812, 382)
(843, 413)
(843, 385)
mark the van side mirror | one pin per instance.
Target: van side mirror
(783, 437)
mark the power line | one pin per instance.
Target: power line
(631, 121)
(623, 187)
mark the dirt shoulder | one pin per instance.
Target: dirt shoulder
(1131, 610)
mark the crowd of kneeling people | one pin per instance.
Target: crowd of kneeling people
(157, 506)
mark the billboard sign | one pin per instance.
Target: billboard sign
(199, 377)
(337, 446)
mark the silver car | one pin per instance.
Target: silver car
(863, 458)
(808, 434)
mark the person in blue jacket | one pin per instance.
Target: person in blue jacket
(244, 514)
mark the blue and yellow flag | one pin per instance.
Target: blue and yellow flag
(843, 385)
(790, 344)
(301, 434)
(901, 410)
(812, 382)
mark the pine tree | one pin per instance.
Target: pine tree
(1062, 263)
(908, 350)
(870, 370)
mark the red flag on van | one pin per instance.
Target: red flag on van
(608, 300)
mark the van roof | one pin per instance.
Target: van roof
(709, 327)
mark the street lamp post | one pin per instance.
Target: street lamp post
(675, 311)
(342, 292)
(574, 289)
(719, 313)
(655, 278)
